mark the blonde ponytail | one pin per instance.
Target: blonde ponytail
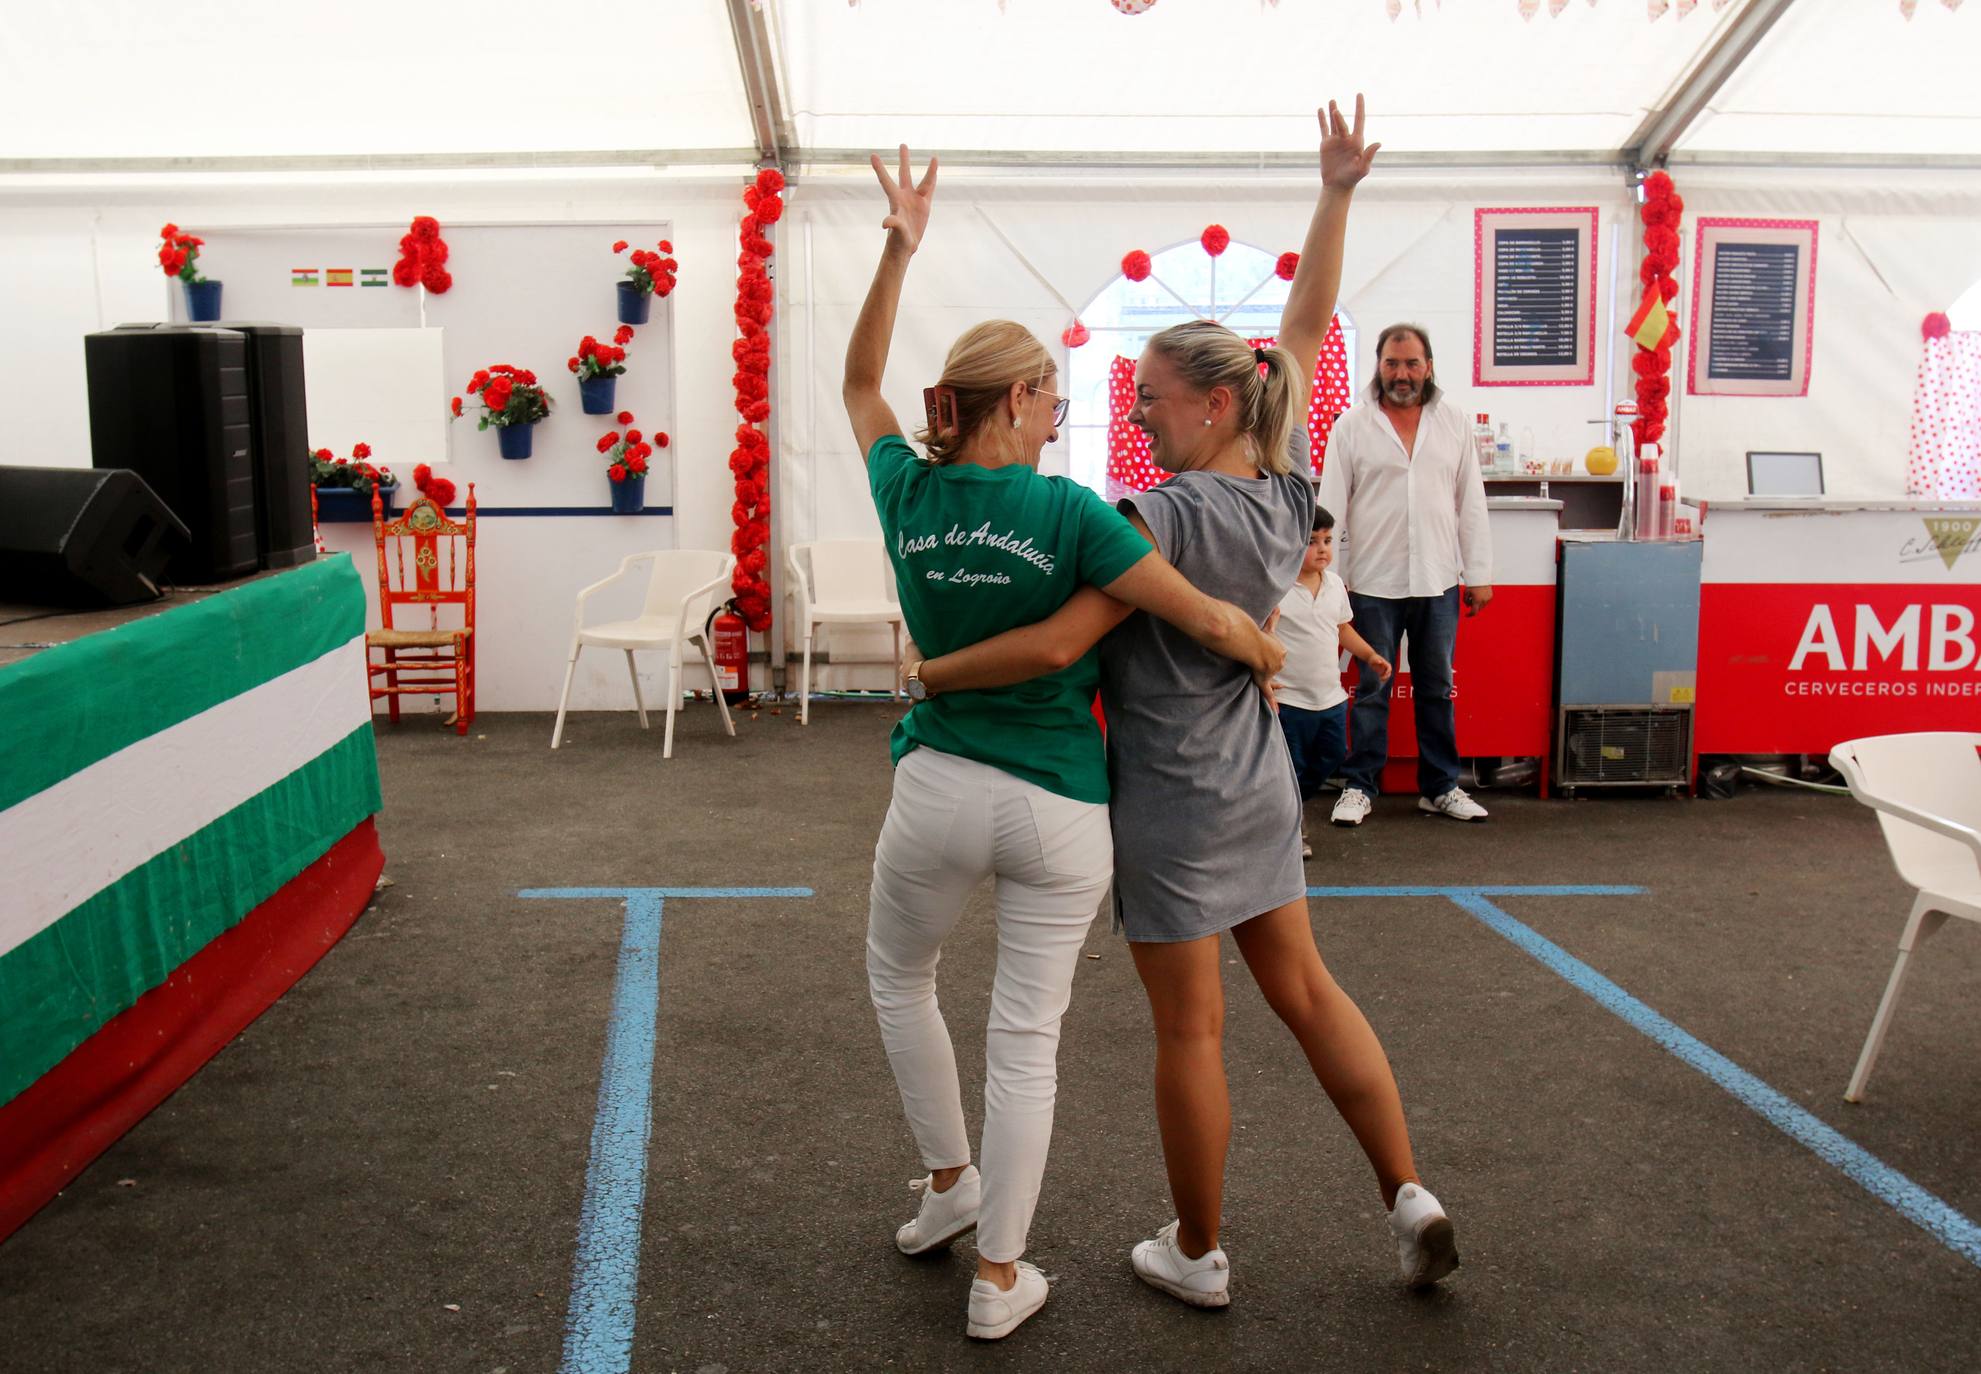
(1206, 354)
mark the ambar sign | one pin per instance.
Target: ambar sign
(1937, 638)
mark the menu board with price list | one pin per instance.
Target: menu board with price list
(1534, 297)
(1753, 307)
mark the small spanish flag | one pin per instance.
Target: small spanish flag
(1651, 325)
(337, 276)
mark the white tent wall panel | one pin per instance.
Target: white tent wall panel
(73, 262)
(1888, 252)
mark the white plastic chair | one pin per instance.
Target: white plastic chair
(1926, 789)
(842, 582)
(682, 588)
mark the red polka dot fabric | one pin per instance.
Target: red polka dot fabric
(1129, 467)
(1945, 458)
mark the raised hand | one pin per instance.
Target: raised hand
(1344, 161)
(907, 200)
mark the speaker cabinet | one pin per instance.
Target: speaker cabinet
(171, 404)
(82, 537)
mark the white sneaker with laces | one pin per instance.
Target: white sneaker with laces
(1454, 804)
(1352, 808)
(997, 1312)
(1202, 1282)
(944, 1216)
(1426, 1249)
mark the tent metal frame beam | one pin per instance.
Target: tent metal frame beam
(1651, 145)
(761, 88)
(657, 158)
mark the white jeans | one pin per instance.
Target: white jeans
(952, 823)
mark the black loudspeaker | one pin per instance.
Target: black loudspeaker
(82, 537)
(172, 405)
(280, 417)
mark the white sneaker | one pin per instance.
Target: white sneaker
(944, 1216)
(1426, 1250)
(1352, 808)
(1201, 1282)
(1454, 804)
(997, 1312)
(1306, 846)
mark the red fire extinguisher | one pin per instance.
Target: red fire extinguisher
(730, 640)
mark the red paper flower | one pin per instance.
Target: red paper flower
(1216, 238)
(770, 179)
(1136, 266)
(1288, 264)
(1074, 334)
(1936, 325)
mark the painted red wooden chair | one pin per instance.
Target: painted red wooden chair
(424, 659)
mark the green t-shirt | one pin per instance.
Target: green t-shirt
(978, 551)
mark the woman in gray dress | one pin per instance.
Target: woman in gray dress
(1206, 810)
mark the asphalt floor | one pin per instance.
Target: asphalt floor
(388, 1170)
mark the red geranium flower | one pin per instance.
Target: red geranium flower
(617, 472)
(666, 247)
(637, 463)
(619, 246)
(606, 441)
(632, 435)
(361, 451)
(624, 417)
(660, 439)
(624, 334)
(170, 231)
(456, 403)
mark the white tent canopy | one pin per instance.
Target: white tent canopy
(128, 85)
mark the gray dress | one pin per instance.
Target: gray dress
(1205, 807)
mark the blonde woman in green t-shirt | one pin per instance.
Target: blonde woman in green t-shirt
(1008, 783)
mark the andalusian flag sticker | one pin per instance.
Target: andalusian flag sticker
(302, 276)
(374, 276)
(338, 276)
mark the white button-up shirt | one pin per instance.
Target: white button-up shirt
(1407, 524)
(1310, 628)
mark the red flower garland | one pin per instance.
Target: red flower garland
(749, 461)
(1661, 211)
(423, 257)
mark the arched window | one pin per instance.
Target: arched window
(1945, 457)
(1240, 289)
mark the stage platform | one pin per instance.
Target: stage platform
(186, 793)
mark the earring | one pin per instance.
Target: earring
(1016, 422)
(1207, 423)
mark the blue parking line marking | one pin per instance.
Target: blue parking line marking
(598, 1327)
(1950, 1227)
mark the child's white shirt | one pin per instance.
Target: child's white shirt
(1310, 627)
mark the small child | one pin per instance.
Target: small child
(1314, 624)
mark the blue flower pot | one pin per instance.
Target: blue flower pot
(635, 305)
(596, 393)
(202, 301)
(515, 439)
(630, 496)
(347, 505)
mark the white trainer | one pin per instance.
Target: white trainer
(997, 1312)
(1426, 1249)
(1202, 1282)
(1352, 808)
(1454, 804)
(944, 1216)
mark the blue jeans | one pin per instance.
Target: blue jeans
(1431, 622)
(1318, 742)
